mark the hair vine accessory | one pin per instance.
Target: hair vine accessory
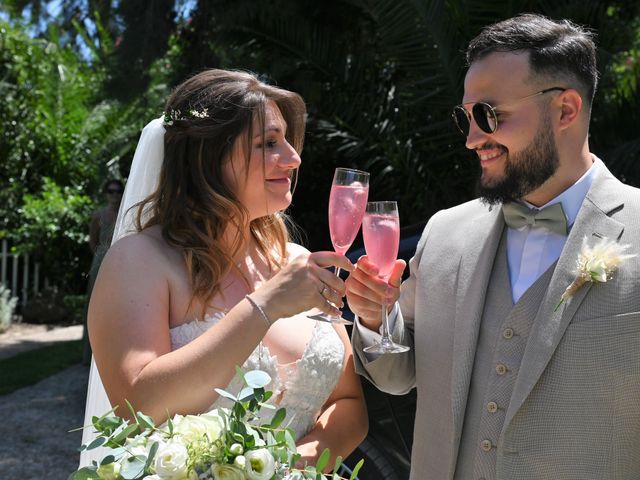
(595, 264)
(171, 115)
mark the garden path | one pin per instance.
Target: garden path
(35, 420)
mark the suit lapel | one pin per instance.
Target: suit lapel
(473, 276)
(593, 221)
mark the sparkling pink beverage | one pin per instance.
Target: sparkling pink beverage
(381, 239)
(346, 209)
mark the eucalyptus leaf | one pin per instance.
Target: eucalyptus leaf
(85, 473)
(290, 439)
(133, 467)
(95, 418)
(323, 460)
(145, 421)
(257, 379)
(337, 464)
(130, 407)
(96, 443)
(246, 394)
(225, 394)
(124, 434)
(241, 428)
(170, 426)
(118, 452)
(107, 424)
(278, 417)
(152, 454)
(356, 469)
(107, 460)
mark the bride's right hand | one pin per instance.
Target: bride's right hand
(304, 283)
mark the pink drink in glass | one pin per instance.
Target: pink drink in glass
(381, 239)
(346, 209)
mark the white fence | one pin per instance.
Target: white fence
(19, 274)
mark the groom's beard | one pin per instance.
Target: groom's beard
(525, 171)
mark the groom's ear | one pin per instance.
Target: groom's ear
(571, 106)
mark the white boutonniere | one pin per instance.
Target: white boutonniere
(595, 264)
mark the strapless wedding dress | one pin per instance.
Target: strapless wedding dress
(301, 387)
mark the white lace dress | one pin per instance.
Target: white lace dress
(302, 387)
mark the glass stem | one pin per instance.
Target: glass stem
(385, 324)
(337, 273)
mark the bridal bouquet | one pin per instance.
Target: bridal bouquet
(223, 444)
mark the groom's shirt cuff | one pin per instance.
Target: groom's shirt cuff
(369, 337)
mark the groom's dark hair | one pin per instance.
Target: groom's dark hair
(558, 50)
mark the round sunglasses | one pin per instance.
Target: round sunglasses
(485, 115)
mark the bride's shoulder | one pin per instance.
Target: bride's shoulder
(294, 250)
(141, 247)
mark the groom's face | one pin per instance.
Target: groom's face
(521, 155)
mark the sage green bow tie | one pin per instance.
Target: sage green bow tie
(551, 217)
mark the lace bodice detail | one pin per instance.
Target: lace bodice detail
(302, 387)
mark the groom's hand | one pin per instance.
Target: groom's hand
(366, 292)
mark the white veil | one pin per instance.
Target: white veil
(142, 181)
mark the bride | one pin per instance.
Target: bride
(201, 278)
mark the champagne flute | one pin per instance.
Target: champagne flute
(381, 232)
(347, 202)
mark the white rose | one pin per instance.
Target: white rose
(110, 471)
(195, 427)
(227, 472)
(240, 461)
(171, 461)
(236, 449)
(260, 464)
(597, 268)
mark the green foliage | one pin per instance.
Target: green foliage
(60, 139)
(7, 307)
(56, 218)
(230, 438)
(77, 305)
(380, 80)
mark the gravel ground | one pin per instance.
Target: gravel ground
(34, 426)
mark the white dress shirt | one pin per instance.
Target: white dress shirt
(531, 250)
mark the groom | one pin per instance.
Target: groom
(510, 387)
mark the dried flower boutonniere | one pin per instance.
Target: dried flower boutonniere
(595, 264)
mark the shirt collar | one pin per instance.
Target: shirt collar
(572, 198)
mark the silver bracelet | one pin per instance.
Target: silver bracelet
(259, 308)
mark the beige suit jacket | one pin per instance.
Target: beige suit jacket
(575, 409)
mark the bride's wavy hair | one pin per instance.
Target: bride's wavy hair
(193, 205)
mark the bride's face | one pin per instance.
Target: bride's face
(264, 185)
